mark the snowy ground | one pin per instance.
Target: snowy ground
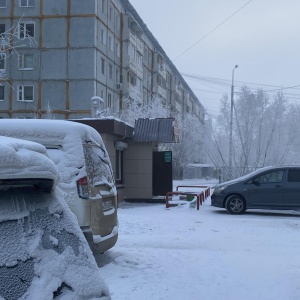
(181, 253)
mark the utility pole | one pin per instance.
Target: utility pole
(231, 121)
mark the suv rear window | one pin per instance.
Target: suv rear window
(97, 165)
(43, 185)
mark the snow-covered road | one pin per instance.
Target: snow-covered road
(181, 253)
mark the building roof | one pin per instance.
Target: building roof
(158, 130)
(111, 126)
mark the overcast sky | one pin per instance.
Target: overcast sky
(262, 37)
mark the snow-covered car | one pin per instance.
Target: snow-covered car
(44, 254)
(86, 176)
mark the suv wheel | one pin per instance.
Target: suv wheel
(235, 204)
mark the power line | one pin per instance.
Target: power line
(218, 81)
(284, 88)
(210, 32)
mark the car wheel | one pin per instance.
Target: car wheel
(235, 204)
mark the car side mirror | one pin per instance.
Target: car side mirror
(256, 181)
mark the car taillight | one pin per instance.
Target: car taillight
(82, 187)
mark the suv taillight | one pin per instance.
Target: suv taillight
(82, 188)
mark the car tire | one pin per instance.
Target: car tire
(235, 205)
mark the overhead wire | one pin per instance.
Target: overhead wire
(252, 86)
(201, 39)
(211, 31)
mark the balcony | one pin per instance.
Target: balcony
(162, 92)
(135, 93)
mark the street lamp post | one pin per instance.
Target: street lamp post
(231, 120)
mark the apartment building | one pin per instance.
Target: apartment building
(58, 54)
(80, 59)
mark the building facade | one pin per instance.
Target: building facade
(58, 54)
(76, 59)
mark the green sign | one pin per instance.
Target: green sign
(168, 156)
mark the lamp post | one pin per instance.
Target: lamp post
(231, 120)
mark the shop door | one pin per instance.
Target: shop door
(162, 173)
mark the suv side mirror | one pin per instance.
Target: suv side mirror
(256, 181)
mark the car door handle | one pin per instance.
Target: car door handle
(278, 186)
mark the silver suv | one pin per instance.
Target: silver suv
(86, 176)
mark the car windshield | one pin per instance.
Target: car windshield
(249, 175)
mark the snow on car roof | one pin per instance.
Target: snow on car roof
(24, 159)
(41, 129)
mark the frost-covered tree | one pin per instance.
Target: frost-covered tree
(11, 41)
(263, 132)
(14, 38)
(189, 148)
(135, 109)
(48, 112)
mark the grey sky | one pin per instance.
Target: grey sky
(263, 38)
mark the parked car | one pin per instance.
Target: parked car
(87, 180)
(44, 254)
(266, 188)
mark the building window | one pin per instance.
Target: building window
(1, 92)
(2, 28)
(139, 58)
(2, 3)
(103, 35)
(117, 49)
(26, 30)
(26, 62)
(117, 76)
(139, 84)
(27, 3)
(25, 93)
(119, 166)
(110, 13)
(110, 71)
(110, 43)
(118, 26)
(103, 66)
(2, 61)
(109, 103)
(146, 55)
(103, 6)
(131, 50)
(131, 79)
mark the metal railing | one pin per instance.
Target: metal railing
(201, 196)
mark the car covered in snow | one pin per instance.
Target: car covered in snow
(271, 187)
(44, 254)
(86, 176)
